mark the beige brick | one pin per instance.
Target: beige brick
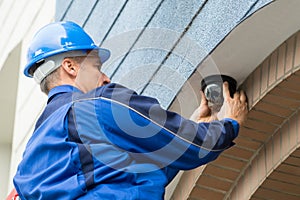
(293, 130)
(281, 61)
(277, 148)
(186, 183)
(249, 90)
(269, 156)
(285, 140)
(298, 130)
(256, 83)
(272, 69)
(234, 195)
(265, 75)
(297, 52)
(243, 187)
(254, 181)
(248, 188)
(178, 195)
(261, 162)
(290, 54)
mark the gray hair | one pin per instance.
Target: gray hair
(49, 80)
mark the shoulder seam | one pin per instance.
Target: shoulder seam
(139, 113)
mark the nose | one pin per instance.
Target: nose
(106, 80)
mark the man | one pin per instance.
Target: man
(99, 140)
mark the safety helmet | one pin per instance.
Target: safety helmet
(57, 38)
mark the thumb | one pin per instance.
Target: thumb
(203, 98)
(226, 93)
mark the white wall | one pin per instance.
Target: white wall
(19, 20)
(5, 153)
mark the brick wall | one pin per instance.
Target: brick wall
(265, 162)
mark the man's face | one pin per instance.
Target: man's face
(89, 75)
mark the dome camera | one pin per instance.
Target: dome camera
(212, 87)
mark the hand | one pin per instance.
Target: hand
(203, 113)
(235, 108)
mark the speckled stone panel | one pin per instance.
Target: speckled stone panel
(141, 34)
(156, 41)
(128, 27)
(138, 67)
(175, 14)
(134, 16)
(61, 8)
(102, 18)
(216, 20)
(79, 11)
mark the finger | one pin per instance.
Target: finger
(226, 93)
(203, 98)
(243, 97)
(236, 95)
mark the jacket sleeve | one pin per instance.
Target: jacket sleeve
(139, 126)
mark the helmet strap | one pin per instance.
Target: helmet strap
(45, 69)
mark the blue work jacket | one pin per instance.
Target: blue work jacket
(111, 143)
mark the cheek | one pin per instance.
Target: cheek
(95, 76)
(89, 75)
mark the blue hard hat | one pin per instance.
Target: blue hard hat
(60, 37)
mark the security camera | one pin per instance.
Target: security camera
(212, 87)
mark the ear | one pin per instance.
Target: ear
(70, 67)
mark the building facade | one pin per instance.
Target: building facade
(20, 99)
(163, 48)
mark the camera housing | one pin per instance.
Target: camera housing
(212, 87)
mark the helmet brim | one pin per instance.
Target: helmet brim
(104, 55)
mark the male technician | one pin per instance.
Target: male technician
(100, 140)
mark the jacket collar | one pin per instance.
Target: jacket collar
(61, 89)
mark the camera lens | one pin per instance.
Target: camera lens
(213, 93)
(212, 86)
